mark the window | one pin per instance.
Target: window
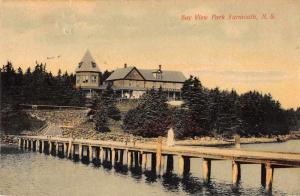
(78, 79)
(85, 79)
(93, 79)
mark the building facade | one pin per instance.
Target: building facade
(131, 82)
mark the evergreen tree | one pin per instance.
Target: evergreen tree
(151, 118)
(103, 108)
(197, 104)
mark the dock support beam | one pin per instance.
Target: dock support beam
(113, 157)
(56, 148)
(31, 145)
(65, 149)
(101, 155)
(180, 165)
(90, 153)
(20, 142)
(43, 146)
(50, 147)
(236, 172)
(70, 149)
(206, 169)
(80, 151)
(269, 177)
(36, 145)
(24, 143)
(158, 155)
(129, 158)
(144, 161)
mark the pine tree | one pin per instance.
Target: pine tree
(103, 108)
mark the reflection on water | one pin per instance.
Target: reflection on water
(31, 173)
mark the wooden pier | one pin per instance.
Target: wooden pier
(137, 154)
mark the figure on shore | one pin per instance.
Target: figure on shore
(170, 138)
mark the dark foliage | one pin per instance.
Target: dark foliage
(151, 118)
(39, 87)
(103, 108)
(225, 113)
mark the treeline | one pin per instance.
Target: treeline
(38, 86)
(211, 112)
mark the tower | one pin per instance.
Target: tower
(87, 74)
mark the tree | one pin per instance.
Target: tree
(151, 117)
(104, 108)
(196, 105)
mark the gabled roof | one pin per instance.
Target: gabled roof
(120, 73)
(167, 76)
(87, 63)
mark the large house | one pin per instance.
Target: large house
(128, 82)
(131, 82)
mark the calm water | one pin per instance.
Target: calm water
(31, 173)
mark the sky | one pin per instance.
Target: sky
(260, 54)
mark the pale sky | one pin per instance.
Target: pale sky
(240, 54)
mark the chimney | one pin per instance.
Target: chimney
(159, 67)
(125, 65)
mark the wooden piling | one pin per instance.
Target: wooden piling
(206, 169)
(36, 145)
(80, 151)
(43, 146)
(90, 153)
(113, 157)
(158, 154)
(70, 149)
(50, 147)
(144, 161)
(101, 154)
(65, 149)
(180, 165)
(24, 143)
(56, 148)
(129, 158)
(20, 142)
(269, 177)
(236, 172)
(31, 145)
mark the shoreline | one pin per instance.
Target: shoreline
(203, 141)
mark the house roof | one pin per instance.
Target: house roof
(87, 63)
(167, 76)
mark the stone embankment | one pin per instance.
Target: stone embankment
(75, 123)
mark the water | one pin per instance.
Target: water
(30, 173)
